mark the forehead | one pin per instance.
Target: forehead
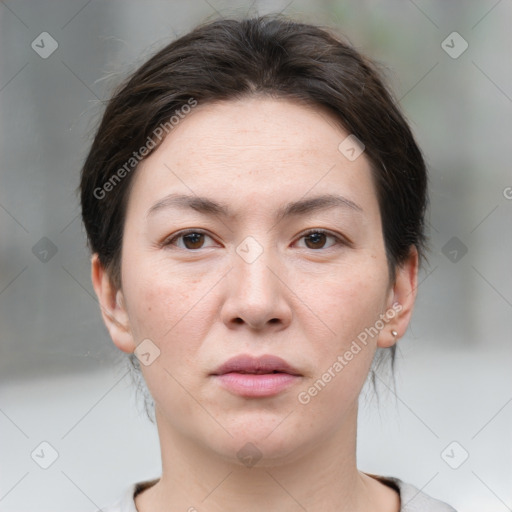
(257, 125)
(259, 148)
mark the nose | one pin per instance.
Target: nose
(257, 294)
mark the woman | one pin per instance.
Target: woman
(254, 201)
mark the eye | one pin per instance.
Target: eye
(316, 239)
(192, 240)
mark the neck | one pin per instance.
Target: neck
(323, 476)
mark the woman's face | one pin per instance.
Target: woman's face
(237, 274)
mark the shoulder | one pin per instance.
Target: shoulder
(126, 503)
(413, 499)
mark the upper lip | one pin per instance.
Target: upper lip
(246, 363)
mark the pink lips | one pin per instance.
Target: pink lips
(262, 376)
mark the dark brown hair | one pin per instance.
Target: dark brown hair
(231, 59)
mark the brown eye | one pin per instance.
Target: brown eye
(316, 239)
(192, 240)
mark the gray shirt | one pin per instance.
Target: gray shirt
(411, 498)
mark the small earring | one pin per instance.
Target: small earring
(394, 333)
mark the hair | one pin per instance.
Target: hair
(231, 59)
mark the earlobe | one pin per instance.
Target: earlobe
(401, 301)
(113, 308)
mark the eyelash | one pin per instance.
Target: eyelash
(338, 240)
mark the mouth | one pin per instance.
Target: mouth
(247, 364)
(257, 372)
(253, 377)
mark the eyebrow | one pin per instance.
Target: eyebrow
(208, 206)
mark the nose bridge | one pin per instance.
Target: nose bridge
(255, 293)
(253, 258)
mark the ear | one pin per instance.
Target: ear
(112, 306)
(401, 301)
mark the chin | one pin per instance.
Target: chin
(260, 442)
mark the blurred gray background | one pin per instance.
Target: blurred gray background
(448, 427)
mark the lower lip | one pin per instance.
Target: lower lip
(251, 385)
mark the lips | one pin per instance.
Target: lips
(256, 377)
(266, 364)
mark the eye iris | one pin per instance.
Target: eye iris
(315, 238)
(195, 239)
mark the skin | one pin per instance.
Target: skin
(303, 299)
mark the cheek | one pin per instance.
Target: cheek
(169, 311)
(158, 294)
(346, 300)
(165, 308)
(176, 309)
(349, 303)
